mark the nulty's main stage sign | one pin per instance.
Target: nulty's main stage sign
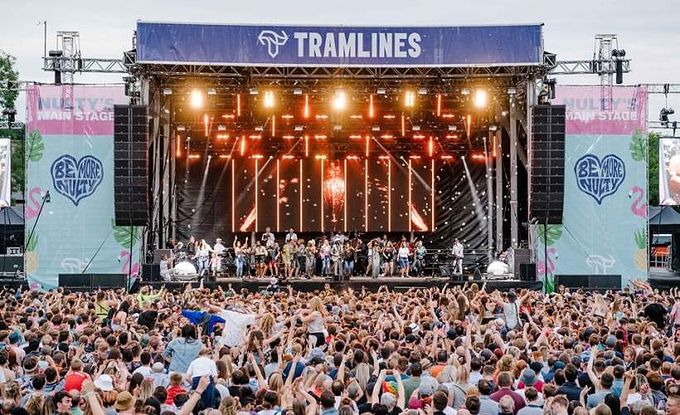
(339, 46)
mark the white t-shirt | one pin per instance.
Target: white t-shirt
(403, 252)
(144, 370)
(202, 366)
(235, 325)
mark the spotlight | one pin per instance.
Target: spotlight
(181, 128)
(381, 91)
(253, 91)
(221, 127)
(480, 98)
(269, 99)
(493, 128)
(196, 99)
(465, 91)
(375, 128)
(409, 99)
(297, 91)
(453, 127)
(512, 90)
(212, 91)
(167, 91)
(340, 100)
(299, 128)
(422, 91)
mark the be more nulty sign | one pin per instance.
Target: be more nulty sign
(339, 45)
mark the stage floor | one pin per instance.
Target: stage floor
(357, 283)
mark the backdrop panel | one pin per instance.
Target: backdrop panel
(604, 228)
(70, 154)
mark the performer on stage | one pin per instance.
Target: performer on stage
(240, 252)
(419, 258)
(202, 257)
(216, 262)
(457, 253)
(402, 255)
(291, 236)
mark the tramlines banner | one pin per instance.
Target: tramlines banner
(604, 229)
(70, 155)
(311, 46)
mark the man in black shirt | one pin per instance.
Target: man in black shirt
(148, 316)
(657, 313)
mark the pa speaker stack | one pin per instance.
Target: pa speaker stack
(546, 178)
(131, 137)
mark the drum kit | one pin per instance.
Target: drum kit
(185, 266)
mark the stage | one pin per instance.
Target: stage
(356, 283)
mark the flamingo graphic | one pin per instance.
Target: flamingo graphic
(638, 208)
(35, 199)
(540, 265)
(125, 254)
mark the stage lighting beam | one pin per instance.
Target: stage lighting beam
(480, 99)
(409, 99)
(340, 100)
(196, 99)
(268, 99)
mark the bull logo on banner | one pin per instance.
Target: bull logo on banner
(273, 41)
(599, 178)
(76, 179)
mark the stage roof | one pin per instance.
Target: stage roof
(211, 45)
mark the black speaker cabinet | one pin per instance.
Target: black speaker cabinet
(151, 272)
(527, 272)
(590, 282)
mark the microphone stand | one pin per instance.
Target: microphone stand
(45, 199)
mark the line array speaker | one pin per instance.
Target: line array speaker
(131, 137)
(546, 179)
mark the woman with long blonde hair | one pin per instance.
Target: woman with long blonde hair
(314, 319)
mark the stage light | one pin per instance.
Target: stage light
(448, 115)
(253, 91)
(337, 127)
(255, 137)
(355, 137)
(257, 156)
(238, 105)
(228, 116)
(504, 113)
(212, 91)
(196, 99)
(181, 128)
(371, 108)
(320, 157)
(356, 117)
(512, 90)
(222, 136)
(451, 136)
(387, 136)
(268, 99)
(322, 117)
(297, 91)
(414, 157)
(287, 117)
(381, 91)
(288, 157)
(225, 156)
(259, 128)
(418, 136)
(422, 91)
(299, 128)
(167, 91)
(415, 128)
(340, 100)
(439, 105)
(465, 91)
(194, 156)
(375, 128)
(477, 156)
(447, 157)
(306, 111)
(384, 157)
(409, 99)
(389, 116)
(288, 137)
(493, 128)
(480, 98)
(320, 137)
(352, 157)
(453, 127)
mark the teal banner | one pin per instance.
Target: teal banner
(604, 228)
(70, 226)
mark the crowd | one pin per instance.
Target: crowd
(443, 351)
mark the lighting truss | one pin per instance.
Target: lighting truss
(72, 65)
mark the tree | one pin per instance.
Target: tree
(8, 76)
(653, 168)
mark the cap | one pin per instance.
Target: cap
(158, 367)
(528, 377)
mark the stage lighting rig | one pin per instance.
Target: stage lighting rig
(340, 100)
(196, 99)
(480, 99)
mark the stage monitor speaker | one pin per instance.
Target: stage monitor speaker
(589, 282)
(11, 263)
(546, 177)
(90, 281)
(527, 272)
(151, 272)
(130, 144)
